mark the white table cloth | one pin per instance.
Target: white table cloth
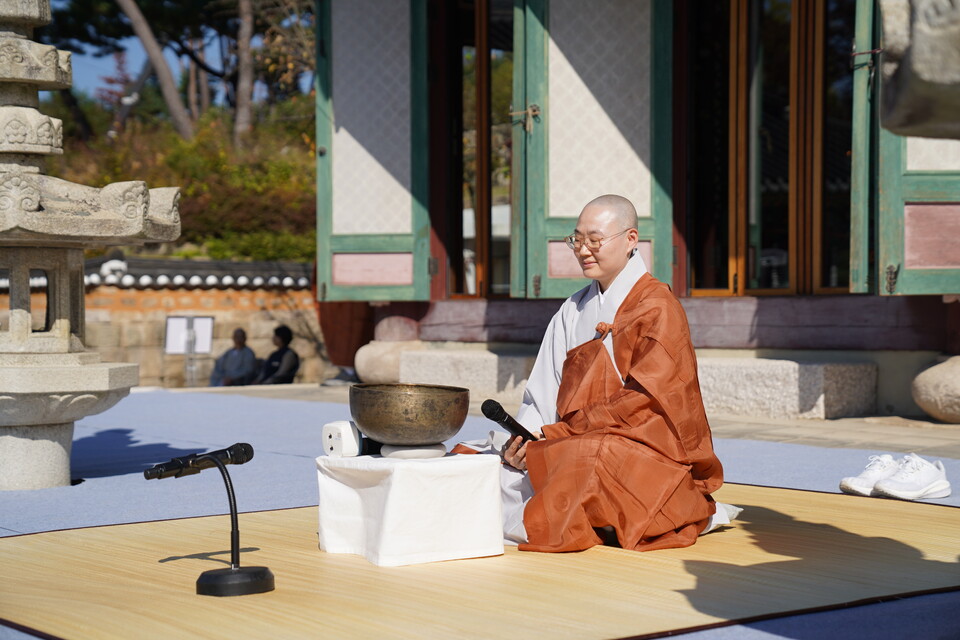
(396, 512)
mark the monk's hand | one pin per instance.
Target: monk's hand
(515, 453)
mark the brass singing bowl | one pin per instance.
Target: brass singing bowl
(408, 414)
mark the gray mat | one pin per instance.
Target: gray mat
(794, 466)
(930, 617)
(111, 450)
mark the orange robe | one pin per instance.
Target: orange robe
(633, 453)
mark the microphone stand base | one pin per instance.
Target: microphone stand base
(236, 581)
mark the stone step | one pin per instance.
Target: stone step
(786, 388)
(729, 385)
(486, 373)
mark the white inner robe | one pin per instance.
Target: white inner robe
(574, 324)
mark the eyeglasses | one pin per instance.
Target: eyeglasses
(575, 241)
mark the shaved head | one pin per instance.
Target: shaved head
(620, 209)
(613, 219)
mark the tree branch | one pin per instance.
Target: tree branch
(184, 50)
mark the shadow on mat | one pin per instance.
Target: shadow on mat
(832, 567)
(209, 555)
(114, 452)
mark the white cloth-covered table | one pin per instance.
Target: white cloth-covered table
(396, 512)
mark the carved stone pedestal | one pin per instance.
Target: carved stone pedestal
(47, 379)
(42, 395)
(36, 456)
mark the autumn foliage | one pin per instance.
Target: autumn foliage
(258, 202)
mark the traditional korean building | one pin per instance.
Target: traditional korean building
(458, 142)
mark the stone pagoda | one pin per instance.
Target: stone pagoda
(47, 377)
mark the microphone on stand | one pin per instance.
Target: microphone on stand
(196, 462)
(237, 580)
(493, 410)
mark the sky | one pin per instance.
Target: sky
(89, 71)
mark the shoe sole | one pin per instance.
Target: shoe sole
(855, 491)
(939, 489)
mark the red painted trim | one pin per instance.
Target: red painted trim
(680, 126)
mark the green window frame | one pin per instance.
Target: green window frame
(899, 187)
(541, 229)
(532, 228)
(416, 242)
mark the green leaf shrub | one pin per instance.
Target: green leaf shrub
(255, 203)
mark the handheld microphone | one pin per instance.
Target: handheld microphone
(493, 410)
(196, 462)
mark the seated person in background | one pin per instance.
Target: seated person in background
(237, 365)
(627, 456)
(282, 365)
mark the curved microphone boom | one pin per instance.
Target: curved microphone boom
(493, 410)
(196, 462)
(237, 580)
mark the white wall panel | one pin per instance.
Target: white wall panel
(929, 154)
(599, 118)
(371, 114)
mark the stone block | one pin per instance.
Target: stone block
(261, 329)
(28, 13)
(484, 372)
(326, 370)
(309, 370)
(40, 65)
(142, 334)
(223, 328)
(786, 388)
(179, 371)
(261, 348)
(937, 390)
(173, 371)
(313, 369)
(379, 361)
(396, 328)
(150, 361)
(113, 354)
(849, 389)
(28, 130)
(146, 381)
(99, 335)
(219, 345)
(96, 315)
(202, 368)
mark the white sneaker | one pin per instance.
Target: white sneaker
(917, 478)
(879, 468)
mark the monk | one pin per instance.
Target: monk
(626, 448)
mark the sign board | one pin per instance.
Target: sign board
(188, 335)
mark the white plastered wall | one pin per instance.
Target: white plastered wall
(599, 88)
(929, 154)
(371, 115)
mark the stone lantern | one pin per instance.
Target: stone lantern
(47, 377)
